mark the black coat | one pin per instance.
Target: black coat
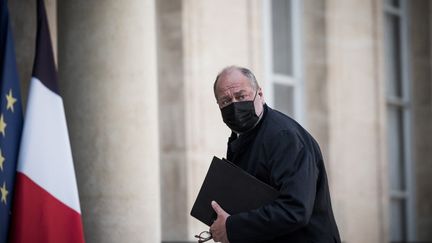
(281, 153)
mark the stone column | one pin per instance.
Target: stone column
(315, 64)
(23, 23)
(356, 115)
(210, 43)
(108, 78)
(173, 161)
(420, 30)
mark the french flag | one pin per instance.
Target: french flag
(46, 206)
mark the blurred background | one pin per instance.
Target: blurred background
(136, 77)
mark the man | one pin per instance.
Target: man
(278, 151)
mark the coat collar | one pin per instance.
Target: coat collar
(236, 143)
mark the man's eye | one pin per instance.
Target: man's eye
(225, 102)
(241, 97)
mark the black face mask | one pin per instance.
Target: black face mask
(240, 116)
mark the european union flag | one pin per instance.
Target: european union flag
(11, 120)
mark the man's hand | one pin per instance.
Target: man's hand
(218, 229)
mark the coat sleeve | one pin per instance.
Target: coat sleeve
(293, 170)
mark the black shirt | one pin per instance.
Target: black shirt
(281, 153)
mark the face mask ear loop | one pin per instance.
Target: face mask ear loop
(256, 92)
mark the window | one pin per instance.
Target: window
(398, 121)
(283, 56)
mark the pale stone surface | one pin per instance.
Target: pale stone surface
(315, 73)
(107, 70)
(175, 211)
(214, 36)
(354, 118)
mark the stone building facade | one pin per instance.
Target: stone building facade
(136, 77)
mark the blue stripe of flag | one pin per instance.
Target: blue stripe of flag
(11, 120)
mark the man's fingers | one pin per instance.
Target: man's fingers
(218, 229)
(216, 207)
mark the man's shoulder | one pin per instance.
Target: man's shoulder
(278, 124)
(278, 121)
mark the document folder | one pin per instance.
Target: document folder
(233, 189)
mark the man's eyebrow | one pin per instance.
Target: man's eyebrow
(240, 92)
(225, 97)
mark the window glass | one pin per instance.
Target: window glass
(282, 37)
(397, 220)
(284, 98)
(393, 56)
(395, 147)
(393, 3)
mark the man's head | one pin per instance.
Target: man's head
(246, 73)
(237, 85)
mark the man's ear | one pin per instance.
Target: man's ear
(261, 94)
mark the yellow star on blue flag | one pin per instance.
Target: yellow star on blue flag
(11, 120)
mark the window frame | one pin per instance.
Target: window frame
(296, 80)
(407, 194)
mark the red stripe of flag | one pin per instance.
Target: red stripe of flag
(42, 217)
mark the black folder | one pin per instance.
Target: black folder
(233, 189)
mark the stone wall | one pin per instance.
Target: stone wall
(421, 95)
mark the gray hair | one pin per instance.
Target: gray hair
(246, 72)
